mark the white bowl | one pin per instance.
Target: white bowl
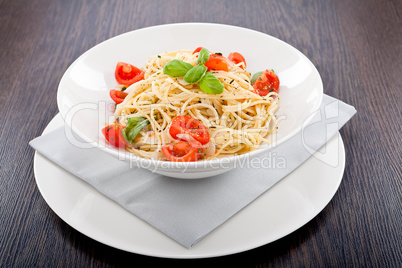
(83, 93)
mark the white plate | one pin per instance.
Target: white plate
(83, 93)
(284, 208)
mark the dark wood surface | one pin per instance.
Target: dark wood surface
(355, 45)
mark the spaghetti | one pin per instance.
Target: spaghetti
(238, 120)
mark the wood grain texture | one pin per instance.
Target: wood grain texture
(356, 47)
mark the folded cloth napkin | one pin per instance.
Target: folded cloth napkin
(187, 210)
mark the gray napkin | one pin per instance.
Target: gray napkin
(187, 210)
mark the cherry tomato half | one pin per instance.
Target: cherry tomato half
(114, 135)
(183, 151)
(198, 49)
(117, 95)
(236, 57)
(218, 63)
(127, 74)
(267, 82)
(185, 124)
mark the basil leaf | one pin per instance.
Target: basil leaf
(176, 68)
(203, 56)
(210, 84)
(255, 77)
(195, 74)
(133, 127)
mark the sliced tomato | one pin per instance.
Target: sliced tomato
(236, 57)
(113, 134)
(185, 124)
(218, 62)
(183, 151)
(198, 49)
(127, 74)
(117, 95)
(267, 82)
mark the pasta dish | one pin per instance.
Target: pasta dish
(192, 105)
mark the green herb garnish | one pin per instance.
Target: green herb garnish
(203, 56)
(210, 84)
(176, 68)
(195, 74)
(133, 127)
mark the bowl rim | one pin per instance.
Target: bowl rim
(201, 163)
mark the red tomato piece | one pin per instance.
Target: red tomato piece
(267, 82)
(236, 57)
(127, 74)
(198, 49)
(117, 96)
(113, 134)
(218, 63)
(185, 124)
(183, 151)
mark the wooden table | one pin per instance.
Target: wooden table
(356, 47)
